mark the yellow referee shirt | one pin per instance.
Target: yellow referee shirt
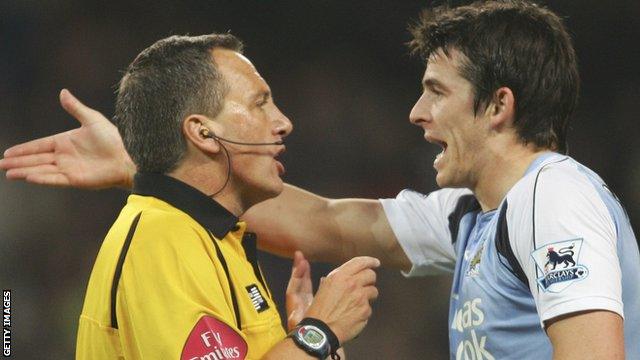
(176, 278)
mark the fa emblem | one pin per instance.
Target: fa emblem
(558, 263)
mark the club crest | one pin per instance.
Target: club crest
(558, 265)
(474, 264)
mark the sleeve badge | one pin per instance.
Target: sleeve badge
(557, 265)
(212, 339)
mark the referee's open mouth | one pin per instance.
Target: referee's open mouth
(279, 165)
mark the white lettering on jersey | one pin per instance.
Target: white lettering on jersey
(468, 317)
(212, 339)
(219, 352)
(473, 349)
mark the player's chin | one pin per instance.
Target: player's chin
(451, 179)
(442, 179)
(445, 180)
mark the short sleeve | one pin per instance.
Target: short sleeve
(172, 301)
(420, 223)
(566, 244)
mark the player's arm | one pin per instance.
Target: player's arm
(587, 335)
(325, 229)
(575, 234)
(91, 156)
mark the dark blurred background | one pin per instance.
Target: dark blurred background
(338, 69)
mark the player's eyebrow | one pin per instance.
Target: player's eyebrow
(431, 83)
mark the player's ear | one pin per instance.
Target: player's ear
(198, 131)
(501, 108)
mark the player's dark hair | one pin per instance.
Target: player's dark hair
(165, 83)
(515, 44)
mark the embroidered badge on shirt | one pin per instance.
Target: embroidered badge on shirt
(213, 339)
(558, 263)
(259, 303)
(474, 264)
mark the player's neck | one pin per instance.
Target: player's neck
(504, 169)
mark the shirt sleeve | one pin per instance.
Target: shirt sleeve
(420, 224)
(172, 301)
(566, 245)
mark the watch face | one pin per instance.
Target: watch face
(312, 336)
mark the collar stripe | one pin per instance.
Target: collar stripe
(206, 211)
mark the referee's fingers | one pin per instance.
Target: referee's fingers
(356, 265)
(365, 277)
(371, 292)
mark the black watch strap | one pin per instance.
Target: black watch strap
(334, 344)
(306, 334)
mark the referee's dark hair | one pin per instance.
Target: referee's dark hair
(512, 43)
(169, 80)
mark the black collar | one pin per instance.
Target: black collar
(206, 211)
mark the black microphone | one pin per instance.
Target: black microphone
(205, 133)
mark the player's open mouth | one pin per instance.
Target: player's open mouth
(438, 158)
(442, 144)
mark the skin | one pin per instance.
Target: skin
(483, 153)
(588, 335)
(248, 113)
(474, 157)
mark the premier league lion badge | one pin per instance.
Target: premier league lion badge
(558, 265)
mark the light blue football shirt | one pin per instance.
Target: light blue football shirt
(560, 242)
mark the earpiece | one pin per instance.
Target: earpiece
(204, 132)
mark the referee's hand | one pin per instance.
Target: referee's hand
(299, 295)
(343, 300)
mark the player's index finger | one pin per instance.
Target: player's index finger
(37, 146)
(27, 161)
(359, 263)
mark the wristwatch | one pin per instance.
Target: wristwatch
(315, 338)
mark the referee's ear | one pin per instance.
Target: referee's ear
(501, 109)
(198, 131)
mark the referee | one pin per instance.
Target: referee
(176, 276)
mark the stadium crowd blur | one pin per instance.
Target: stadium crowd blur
(338, 69)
